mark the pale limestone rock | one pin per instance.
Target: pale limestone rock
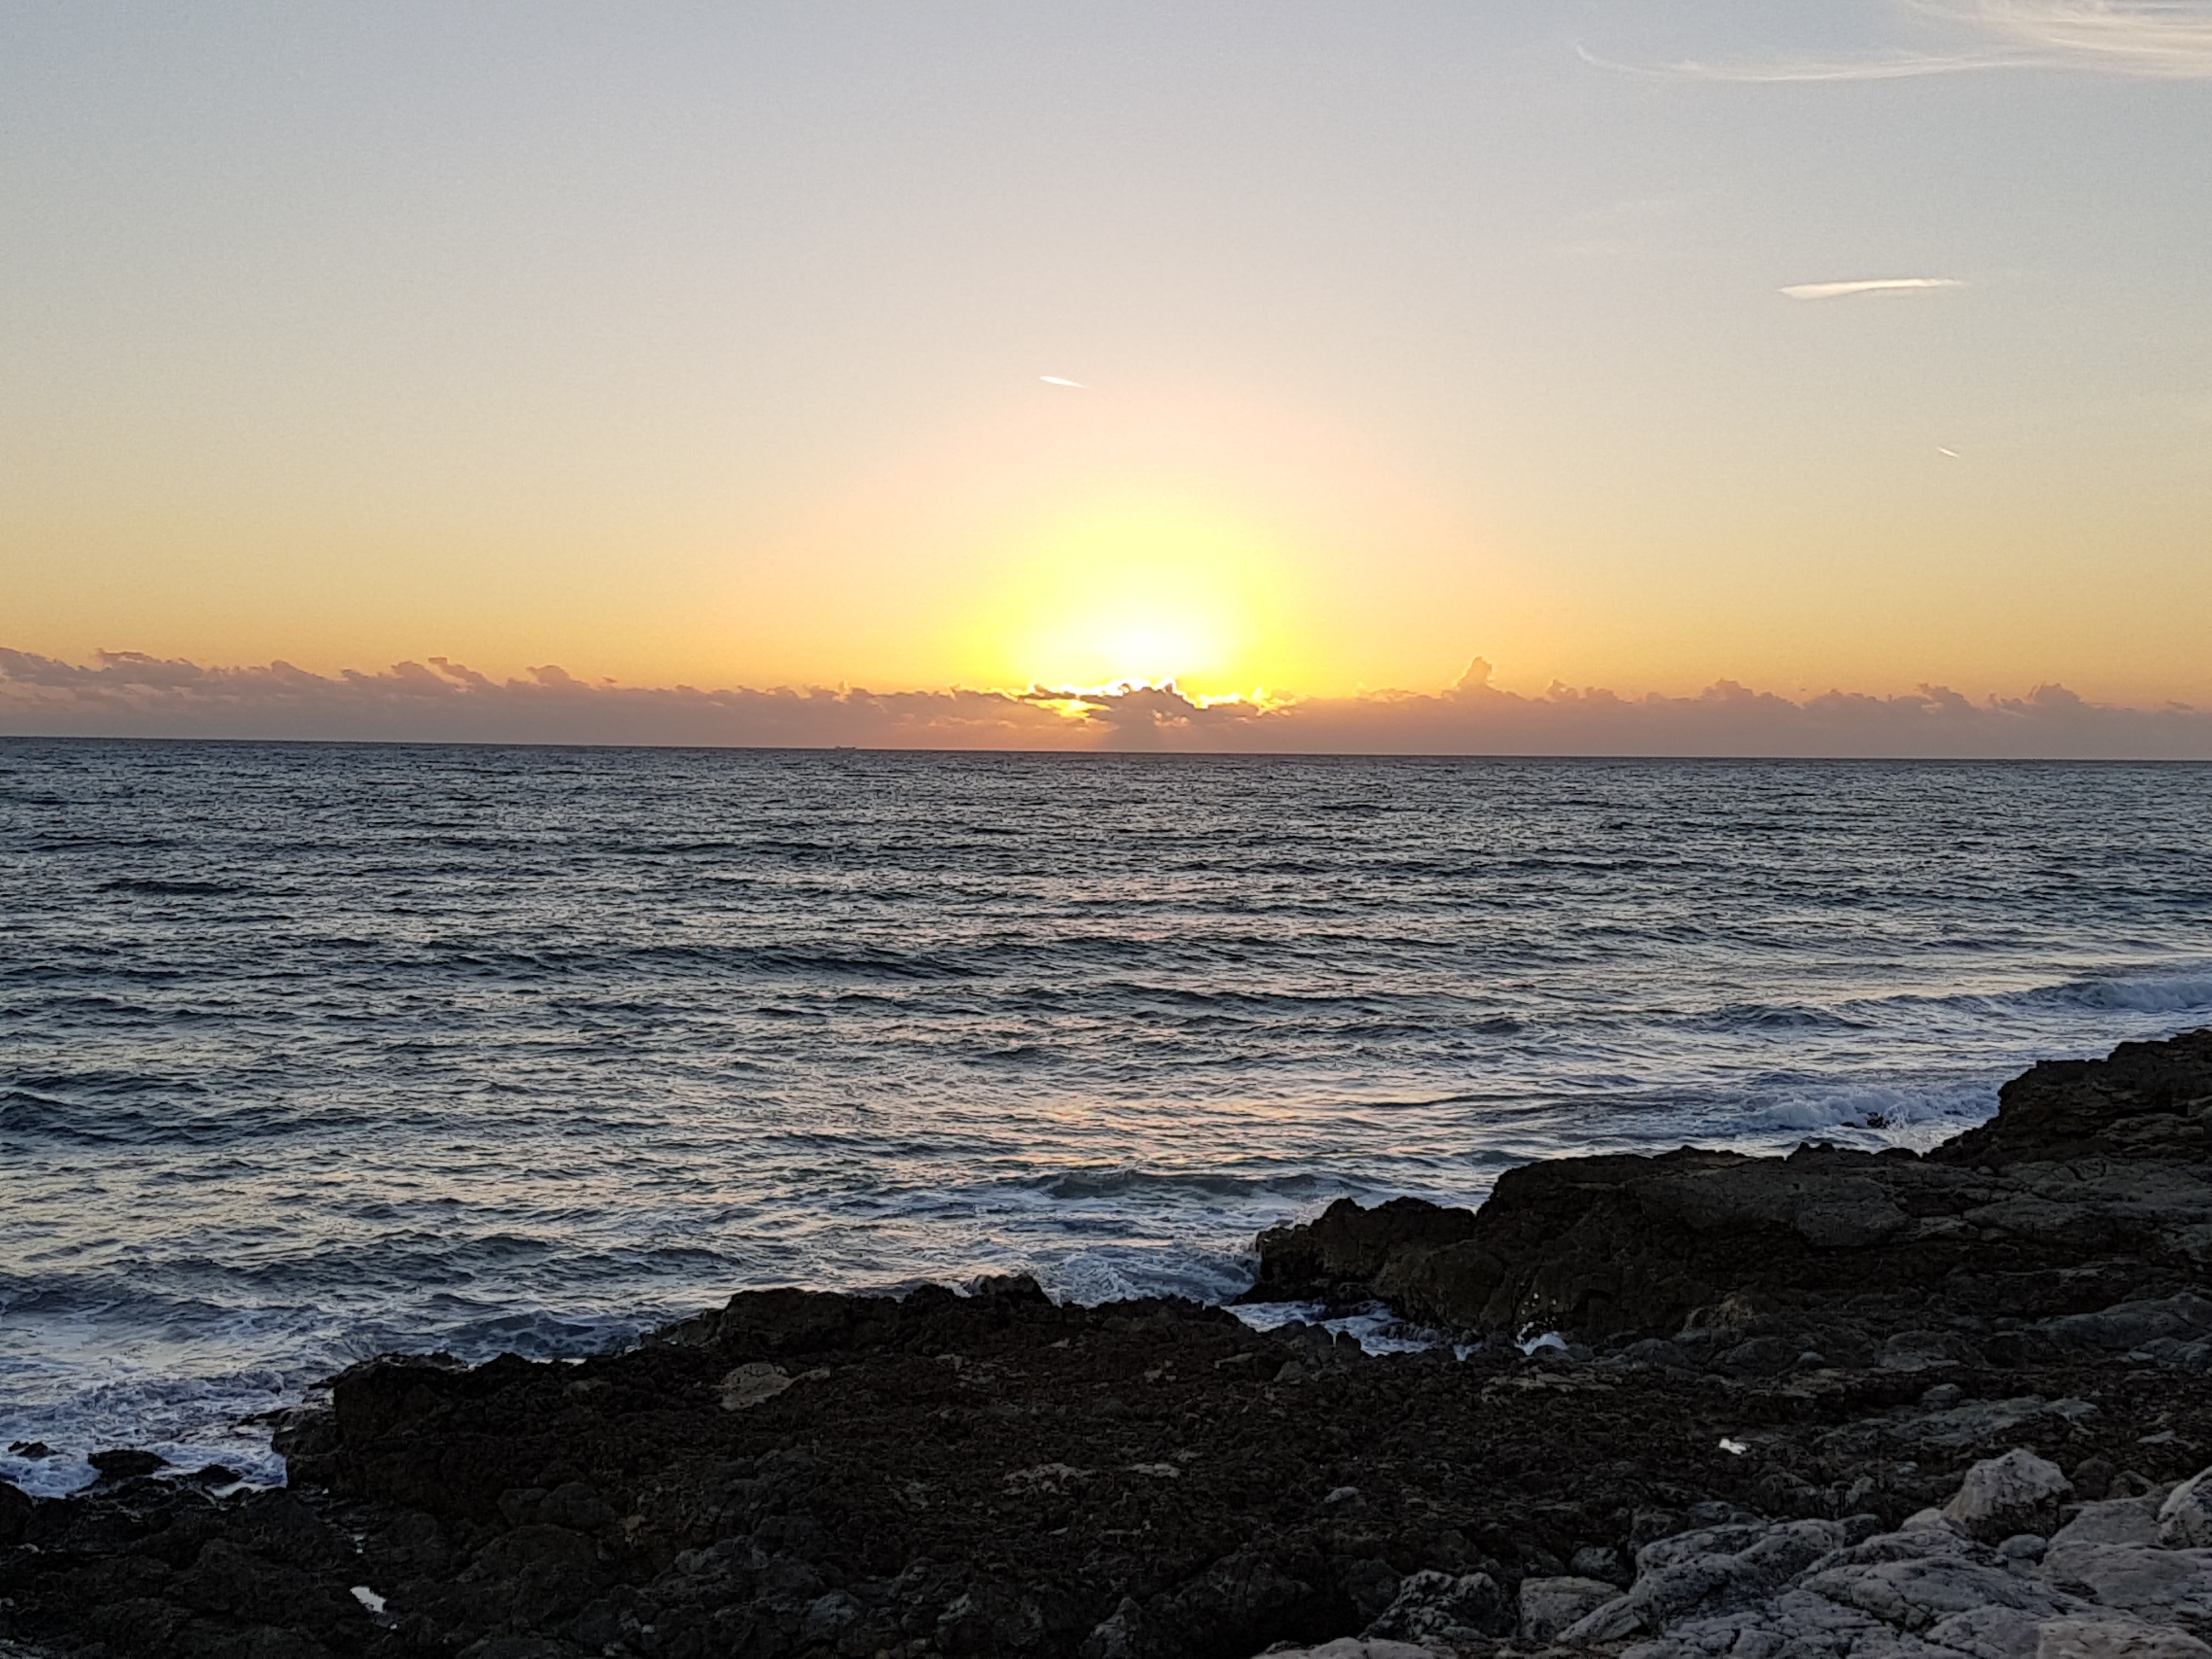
(2017, 1493)
(2116, 1521)
(747, 1386)
(2115, 1637)
(2185, 1520)
(2164, 1586)
(1354, 1647)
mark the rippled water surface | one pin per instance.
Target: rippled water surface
(308, 1051)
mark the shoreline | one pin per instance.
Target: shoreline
(1832, 1342)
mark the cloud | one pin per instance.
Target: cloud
(128, 694)
(1878, 285)
(1890, 66)
(2168, 39)
(2159, 40)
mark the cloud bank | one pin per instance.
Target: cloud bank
(127, 694)
(2157, 39)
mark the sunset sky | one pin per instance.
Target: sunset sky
(710, 342)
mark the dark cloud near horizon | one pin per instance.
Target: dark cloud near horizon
(129, 694)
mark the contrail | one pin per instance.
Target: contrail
(1880, 285)
(1055, 379)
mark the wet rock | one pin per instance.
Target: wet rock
(1348, 1246)
(2101, 1161)
(2146, 1101)
(124, 1463)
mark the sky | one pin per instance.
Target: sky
(1286, 350)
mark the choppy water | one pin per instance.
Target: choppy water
(311, 1051)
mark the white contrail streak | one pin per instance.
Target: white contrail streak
(1878, 285)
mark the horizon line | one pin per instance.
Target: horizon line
(955, 752)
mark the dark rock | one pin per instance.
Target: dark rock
(126, 1463)
(2091, 1188)
(1371, 1584)
(2093, 1478)
(16, 1507)
(536, 1574)
(1345, 1247)
(1600, 1561)
(1436, 1607)
(994, 1476)
(2147, 1101)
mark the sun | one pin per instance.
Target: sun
(1136, 596)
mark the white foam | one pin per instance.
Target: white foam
(189, 1421)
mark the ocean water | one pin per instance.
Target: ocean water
(308, 1052)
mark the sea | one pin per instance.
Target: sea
(313, 1051)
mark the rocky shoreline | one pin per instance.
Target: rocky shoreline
(1836, 1404)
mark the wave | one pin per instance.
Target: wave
(170, 886)
(2166, 989)
(1127, 1182)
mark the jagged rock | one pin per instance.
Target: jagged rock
(1354, 1647)
(1917, 1593)
(2017, 1493)
(1347, 1245)
(1713, 1570)
(1371, 1585)
(2089, 1191)
(1549, 1606)
(2147, 1100)
(1439, 1607)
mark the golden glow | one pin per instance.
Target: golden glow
(1138, 535)
(1138, 596)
